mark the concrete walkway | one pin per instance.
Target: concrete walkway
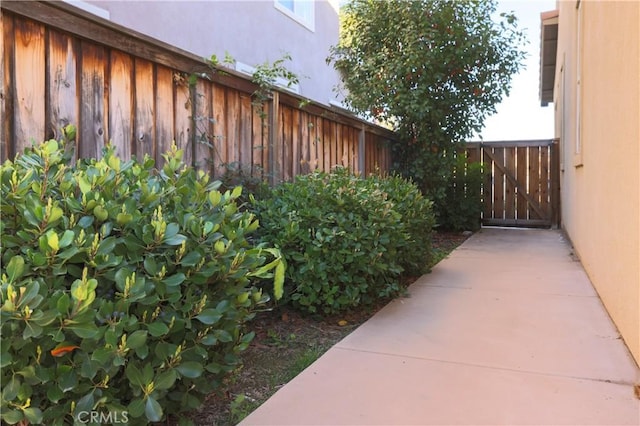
(506, 331)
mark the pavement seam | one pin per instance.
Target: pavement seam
(512, 370)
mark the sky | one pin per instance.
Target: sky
(520, 116)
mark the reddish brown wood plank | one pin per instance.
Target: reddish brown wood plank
(29, 81)
(487, 186)
(62, 84)
(296, 141)
(258, 142)
(304, 143)
(203, 127)
(144, 127)
(498, 185)
(326, 145)
(220, 155)
(544, 180)
(233, 128)
(93, 124)
(521, 175)
(164, 116)
(261, 119)
(6, 106)
(245, 155)
(121, 103)
(287, 141)
(510, 187)
(183, 110)
(315, 148)
(534, 180)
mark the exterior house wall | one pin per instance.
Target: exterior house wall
(597, 101)
(251, 31)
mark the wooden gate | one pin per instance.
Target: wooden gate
(522, 183)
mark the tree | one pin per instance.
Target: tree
(434, 69)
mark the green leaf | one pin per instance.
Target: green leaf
(12, 416)
(136, 339)
(67, 238)
(136, 407)
(165, 380)
(52, 240)
(34, 415)
(157, 329)
(209, 316)
(215, 197)
(190, 369)
(15, 268)
(10, 390)
(153, 410)
(278, 281)
(237, 191)
(174, 280)
(191, 259)
(68, 381)
(134, 375)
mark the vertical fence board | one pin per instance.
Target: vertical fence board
(510, 188)
(29, 83)
(203, 127)
(534, 179)
(257, 143)
(544, 179)
(487, 187)
(296, 140)
(93, 125)
(144, 129)
(164, 117)
(325, 143)
(261, 118)
(233, 128)
(498, 185)
(521, 176)
(286, 123)
(121, 103)
(219, 129)
(304, 142)
(62, 85)
(183, 111)
(7, 140)
(245, 155)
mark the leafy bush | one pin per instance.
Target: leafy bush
(461, 207)
(414, 254)
(346, 240)
(124, 290)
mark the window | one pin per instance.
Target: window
(279, 82)
(302, 11)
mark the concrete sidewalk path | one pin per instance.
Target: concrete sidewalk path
(507, 330)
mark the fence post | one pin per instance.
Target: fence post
(275, 140)
(361, 152)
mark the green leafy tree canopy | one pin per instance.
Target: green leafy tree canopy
(434, 69)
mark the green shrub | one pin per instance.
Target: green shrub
(123, 289)
(346, 240)
(461, 207)
(414, 252)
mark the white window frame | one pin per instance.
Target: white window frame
(304, 12)
(280, 82)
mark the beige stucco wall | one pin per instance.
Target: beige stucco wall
(600, 177)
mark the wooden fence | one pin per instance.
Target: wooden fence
(521, 186)
(63, 66)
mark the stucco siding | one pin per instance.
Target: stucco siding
(252, 32)
(600, 183)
